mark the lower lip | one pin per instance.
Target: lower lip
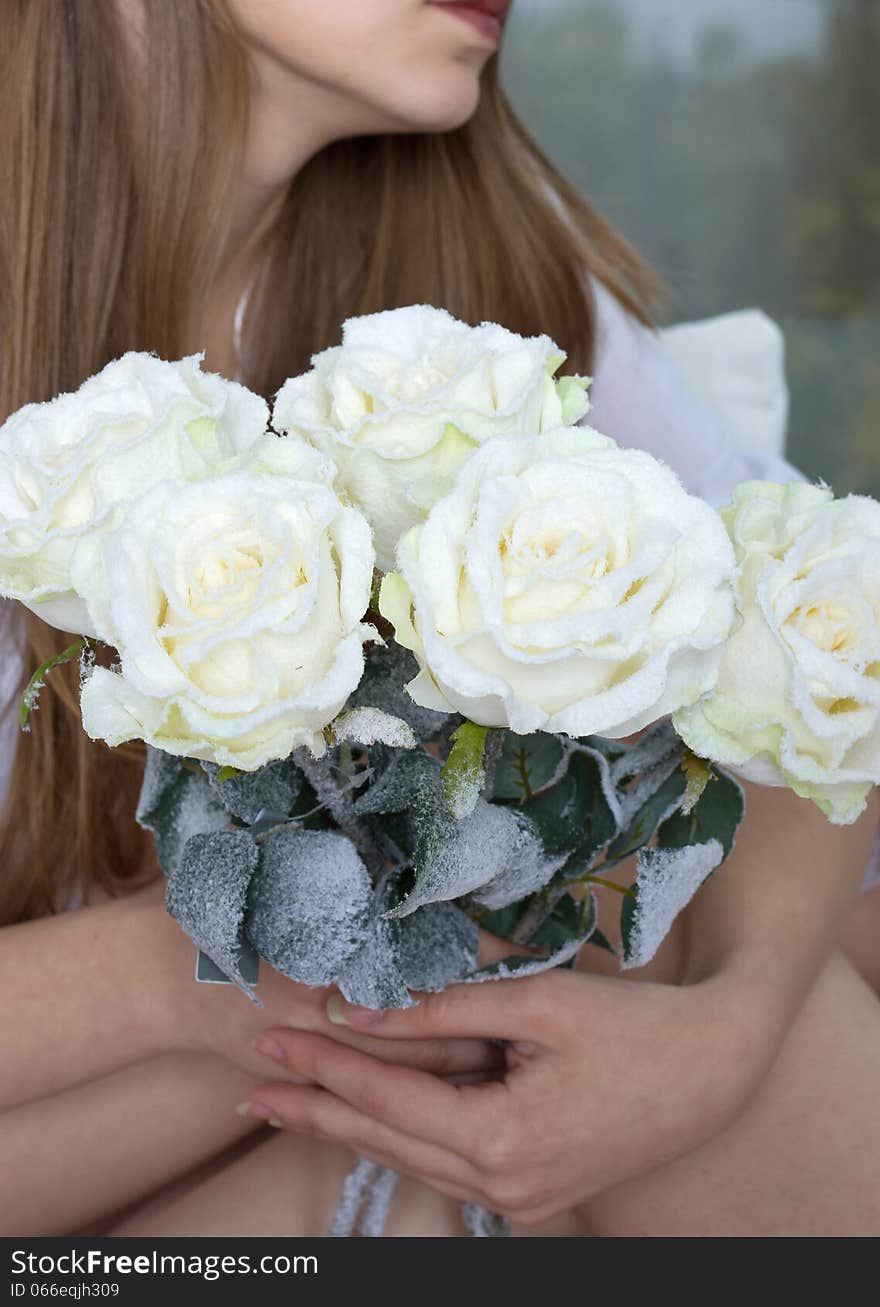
(484, 23)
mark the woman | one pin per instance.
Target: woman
(168, 163)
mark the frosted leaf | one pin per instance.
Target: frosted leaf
(437, 945)
(493, 846)
(207, 893)
(652, 748)
(645, 786)
(666, 881)
(308, 904)
(513, 968)
(176, 803)
(573, 816)
(600, 762)
(409, 780)
(426, 951)
(387, 670)
(373, 726)
(372, 977)
(266, 794)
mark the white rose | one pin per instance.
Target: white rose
(68, 466)
(797, 701)
(565, 584)
(407, 397)
(235, 603)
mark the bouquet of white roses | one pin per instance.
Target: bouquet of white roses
(426, 652)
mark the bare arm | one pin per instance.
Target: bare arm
(766, 922)
(83, 993)
(81, 1155)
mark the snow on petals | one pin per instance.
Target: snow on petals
(797, 701)
(564, 585)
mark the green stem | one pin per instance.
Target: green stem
(35, 684)
(608, 884)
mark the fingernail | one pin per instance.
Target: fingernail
(255, 1110)
(340, 1012)
(336, 1006)
(270, 1048)
(279, 1125)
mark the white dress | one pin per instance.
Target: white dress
(640, 397)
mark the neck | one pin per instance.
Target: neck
(290, 120)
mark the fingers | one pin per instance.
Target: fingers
(442, 1057)
(313, 1111)
(505, 1009)
(419, 1104)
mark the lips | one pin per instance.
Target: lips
(495, 8)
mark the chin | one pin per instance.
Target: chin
(445, 104)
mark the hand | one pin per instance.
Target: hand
(605, 1079)
(219, 1019)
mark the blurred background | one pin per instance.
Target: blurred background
(737, 143)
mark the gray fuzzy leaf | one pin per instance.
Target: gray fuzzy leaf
(409, 781)
(438, 945)
(495, 850)
(268, 793)
(372, 977)
(207, 894)
(309, 904)
(176, 803)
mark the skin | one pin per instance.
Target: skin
(721, 1068)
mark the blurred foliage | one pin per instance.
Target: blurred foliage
(747, 179)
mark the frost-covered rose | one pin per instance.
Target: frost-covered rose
(565, 584)
(235, 603)
(407, 397)
(797, 701)
(69, 466)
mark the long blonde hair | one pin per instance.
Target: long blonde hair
(109, 244)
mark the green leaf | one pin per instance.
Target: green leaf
(463, 774)
(716, 815)
(32, 690)
(527, 763)
(570, 919)
(573, 816)
(666, 881)
(602, 941)
(564, 953)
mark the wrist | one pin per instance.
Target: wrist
(167, 993)
(748, 1010)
